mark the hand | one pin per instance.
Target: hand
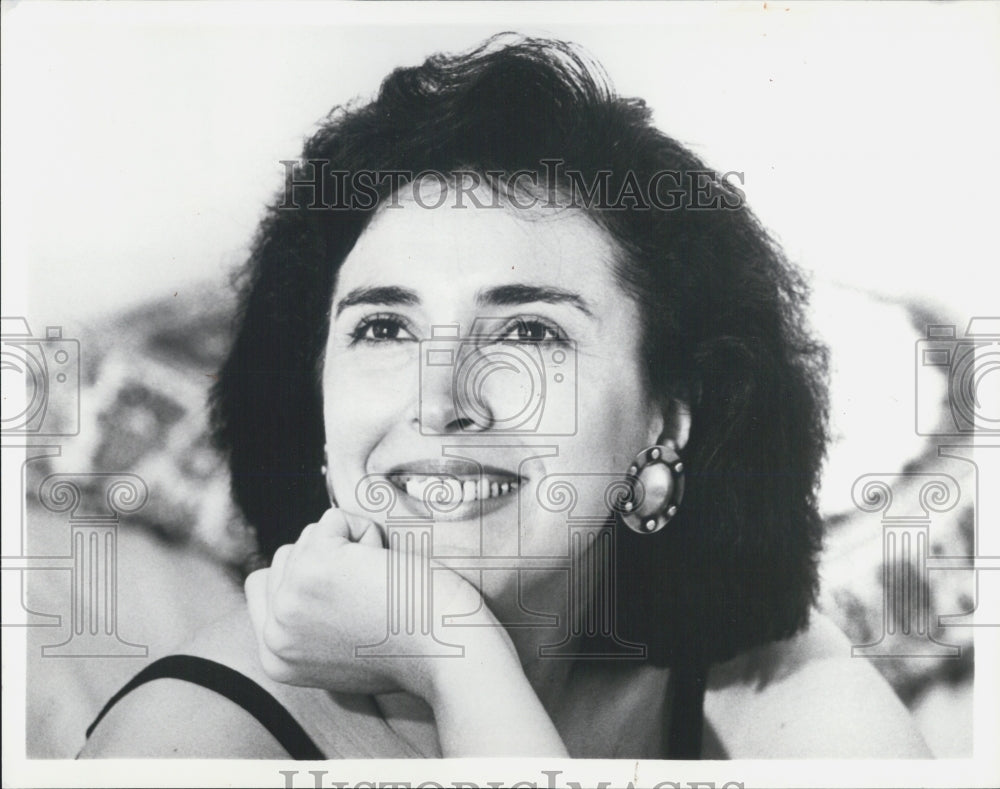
(327, 594)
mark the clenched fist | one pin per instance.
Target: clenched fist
(327, 594)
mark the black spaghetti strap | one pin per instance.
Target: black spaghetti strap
(236, 687)
(687, 713)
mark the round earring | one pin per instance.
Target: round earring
(656, 488)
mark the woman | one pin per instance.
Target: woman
(497, 208)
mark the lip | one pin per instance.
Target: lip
(451, 467)
(452, 478)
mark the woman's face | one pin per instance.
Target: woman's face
(477, 356)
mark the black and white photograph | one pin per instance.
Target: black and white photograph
(473, 394)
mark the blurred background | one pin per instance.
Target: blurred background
(140, 145)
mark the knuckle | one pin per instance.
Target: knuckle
(276, 668)
(281, 554)
(275, 639)
(332, 516)
(255, 581)
(285, 609)
(333, 524)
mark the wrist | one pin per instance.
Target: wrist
(489, 678)
(488, 658)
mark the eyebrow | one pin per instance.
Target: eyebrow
(512, 295)
(500, 296)
(383, 296)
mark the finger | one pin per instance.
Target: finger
(277, 571)
(341, 527)
(365, 530)
(255, 588)
(333, 525)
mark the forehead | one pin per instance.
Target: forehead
(467, 247)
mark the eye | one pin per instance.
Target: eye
(532, 330)
(377, 329)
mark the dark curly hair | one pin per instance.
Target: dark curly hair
(724, 332)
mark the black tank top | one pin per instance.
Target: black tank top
(686, 694)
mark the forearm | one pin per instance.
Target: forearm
(484, 706)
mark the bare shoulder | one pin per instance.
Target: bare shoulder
(808, 698)
(170, 717)
(176, 718)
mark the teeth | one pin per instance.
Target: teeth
(454, 488)
(415, 488)
(449, 490)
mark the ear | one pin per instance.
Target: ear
(328, 477)
(674, 423)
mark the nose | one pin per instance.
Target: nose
(442, 409)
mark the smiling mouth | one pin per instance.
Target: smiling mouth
(448, 489)
(454, 489)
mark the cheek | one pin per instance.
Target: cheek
(361, 404)
(614, 419)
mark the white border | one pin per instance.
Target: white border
(983, 770)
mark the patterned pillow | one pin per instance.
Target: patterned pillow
(146, 376)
